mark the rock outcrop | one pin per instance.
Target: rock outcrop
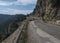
(47, 9)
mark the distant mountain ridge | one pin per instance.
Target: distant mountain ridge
(4, 18)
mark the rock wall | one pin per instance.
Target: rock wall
(47, 9)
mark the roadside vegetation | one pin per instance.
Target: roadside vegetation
(23, 36)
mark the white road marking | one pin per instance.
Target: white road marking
(48, 42)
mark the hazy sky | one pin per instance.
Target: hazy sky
(17, 6)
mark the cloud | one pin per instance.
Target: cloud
(18, 2)
(15, 11)
(5, 3)
(26, 2)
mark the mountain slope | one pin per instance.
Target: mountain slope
(3, 18)
(47, 9)
(9, 23)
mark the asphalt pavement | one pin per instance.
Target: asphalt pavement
(38, 35)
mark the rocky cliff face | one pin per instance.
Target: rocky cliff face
(47, 9)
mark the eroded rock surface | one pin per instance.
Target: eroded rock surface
(47, 9)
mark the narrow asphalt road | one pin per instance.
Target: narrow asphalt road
(49, 28)
(37, 35)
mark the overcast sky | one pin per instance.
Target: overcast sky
(17, 6)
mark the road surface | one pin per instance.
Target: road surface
(37, 35)
(49, 28)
